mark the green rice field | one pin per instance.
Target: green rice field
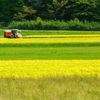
(50, 65)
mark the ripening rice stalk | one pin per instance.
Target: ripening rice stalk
(50, 40)
(49, 68)
(61, 36)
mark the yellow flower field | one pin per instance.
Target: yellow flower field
(49, 68)
(49, 40)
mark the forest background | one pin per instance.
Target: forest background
(21, 10)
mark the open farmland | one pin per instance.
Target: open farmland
(54, 66)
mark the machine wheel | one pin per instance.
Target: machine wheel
(12, 36)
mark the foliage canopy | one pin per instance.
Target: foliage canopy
(49, 9)
(8, 8)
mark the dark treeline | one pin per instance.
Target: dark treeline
(8, 9)
(20, 10)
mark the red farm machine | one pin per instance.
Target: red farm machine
(12, 33)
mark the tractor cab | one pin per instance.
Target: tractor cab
(12, 33)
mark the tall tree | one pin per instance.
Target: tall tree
(26, 14)
(97, 10)
(58, 9)
(82, 9)
(8, 8)
(66, 9)
(40, 6)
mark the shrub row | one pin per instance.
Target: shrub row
(56, 25)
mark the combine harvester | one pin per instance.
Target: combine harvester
(12, 33)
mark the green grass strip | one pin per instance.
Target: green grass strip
(51, 56)
(49, 44)
(49, 53)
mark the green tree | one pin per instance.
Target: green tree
(26, 14)
(40, 6)
(97, 10)
(65, 9)
(8, 8)
(58, 9)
